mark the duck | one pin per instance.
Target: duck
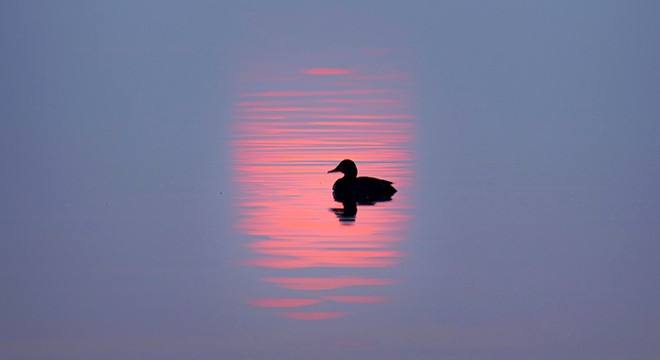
(362, 190)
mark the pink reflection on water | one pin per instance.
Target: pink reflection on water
(290, 128)
(310, 283)
(326, 71)
(317, 93)
(359, 299)
(280, 303)
(313, 315)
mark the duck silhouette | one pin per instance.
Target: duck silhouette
(362, 190)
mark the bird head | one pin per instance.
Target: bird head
(347, 167)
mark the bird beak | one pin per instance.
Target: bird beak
(334, 170)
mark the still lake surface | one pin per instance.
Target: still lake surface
(224, 242)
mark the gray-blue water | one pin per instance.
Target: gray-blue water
(164, 188)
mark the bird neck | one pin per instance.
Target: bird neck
(350, 175)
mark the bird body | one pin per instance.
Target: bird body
(361, 190)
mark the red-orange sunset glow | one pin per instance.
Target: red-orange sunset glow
(288, 134)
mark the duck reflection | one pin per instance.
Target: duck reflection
(347, 213)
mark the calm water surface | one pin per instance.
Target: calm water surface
(164, 188)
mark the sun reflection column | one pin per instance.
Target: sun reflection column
(293, 123)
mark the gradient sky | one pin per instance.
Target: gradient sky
(535, 201)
